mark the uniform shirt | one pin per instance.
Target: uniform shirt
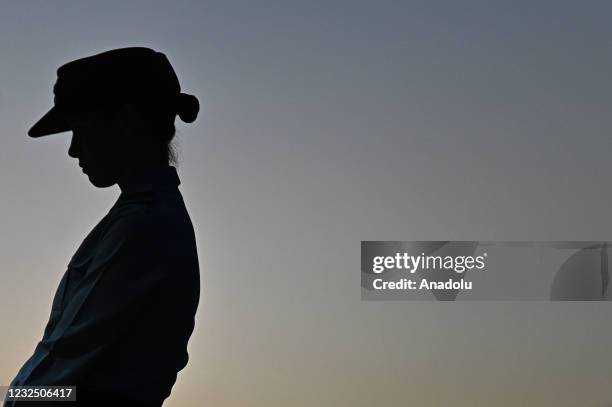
(124, 310)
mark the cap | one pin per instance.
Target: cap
(107, 79)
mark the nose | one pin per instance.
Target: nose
(73, 149)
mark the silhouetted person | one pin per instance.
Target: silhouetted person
(124, 310)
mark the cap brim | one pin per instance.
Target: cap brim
(52, 122)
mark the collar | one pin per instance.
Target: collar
(164, 177)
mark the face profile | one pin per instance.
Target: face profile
(108, 145)
(95, 143)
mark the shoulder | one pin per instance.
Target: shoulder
(150, 218)
(128, 229)
(128, 219)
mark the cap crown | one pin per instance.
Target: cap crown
(125, 74)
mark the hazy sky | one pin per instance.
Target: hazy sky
(325, 123)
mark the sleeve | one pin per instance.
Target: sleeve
(124, 275)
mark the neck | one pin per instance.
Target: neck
(132, 173)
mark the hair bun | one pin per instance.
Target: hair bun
(187, 107)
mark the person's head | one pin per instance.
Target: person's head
(109, 141)
(121, 107)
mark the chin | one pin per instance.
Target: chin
(100, 182)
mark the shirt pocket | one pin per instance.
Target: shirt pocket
(76, 269)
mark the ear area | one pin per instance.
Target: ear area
(131, 122)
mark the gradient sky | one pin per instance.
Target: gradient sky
(325, 123)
